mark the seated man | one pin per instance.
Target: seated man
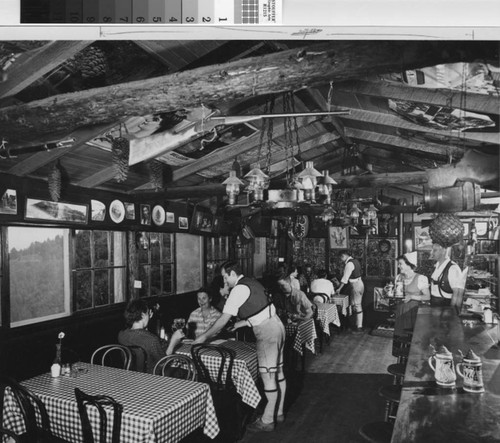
(298, 307)
(137, 315)
(322, 285)
(202, 319)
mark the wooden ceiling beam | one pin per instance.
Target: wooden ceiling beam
(295, 69)
(32, 65)
(395, 121)
(469, 101)
(395, 142)
(36, 161)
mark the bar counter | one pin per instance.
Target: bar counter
(428, 413)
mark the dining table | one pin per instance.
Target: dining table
(303, 334)
(327, 314)
(245, 367)
(430, 413)
(155, 408)
(342, 301)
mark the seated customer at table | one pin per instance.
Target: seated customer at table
(137, 315)
(298, 307)
(202, 319)
(322, 285)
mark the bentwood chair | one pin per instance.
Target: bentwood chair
(114, 355)
(84, 401)
(6, 433)
(177, 366)
(29, 406)
(139, 359)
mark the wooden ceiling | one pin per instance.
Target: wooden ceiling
(53, 91)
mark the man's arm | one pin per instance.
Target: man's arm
(457, 298)
(214, 330)
(349, 267)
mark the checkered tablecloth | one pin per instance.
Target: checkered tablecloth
(327, 313)
(155, 409)
(245, 369)
(342, 301)
(303, 333)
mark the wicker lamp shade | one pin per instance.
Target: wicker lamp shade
(446, 230)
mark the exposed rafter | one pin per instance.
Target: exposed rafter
(279, 72)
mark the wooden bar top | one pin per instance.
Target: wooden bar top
(428, 413)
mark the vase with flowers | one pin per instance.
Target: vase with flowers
(55, 369)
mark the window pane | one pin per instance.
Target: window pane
(82, 249)
(167, 274)
(101, 249)
(38, 259)
(155, 247)
(143, 277)
(101, 287)
(83, 289)
(155, 280)
(167, 250)
(118, 285)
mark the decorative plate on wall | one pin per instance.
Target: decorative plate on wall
(117, 211)
(299, 228)
(158, 215)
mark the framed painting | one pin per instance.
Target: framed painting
(423, 241)
(8, 202)
(56, 211)
(338, 236)
(202, 220)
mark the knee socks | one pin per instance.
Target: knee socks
(268, 415)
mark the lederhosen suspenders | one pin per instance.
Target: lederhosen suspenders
(440, 279)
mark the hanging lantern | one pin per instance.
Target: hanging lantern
(258, 181)
(232, 184)
(325, 187)
(371, 212)
(354, 213)
(309, 179)
(328, 215)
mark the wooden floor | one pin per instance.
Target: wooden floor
(337, 394)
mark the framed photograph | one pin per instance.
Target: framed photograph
(129, 211)
(170, 217)
(423, 240)
(338, 237)
(98, 210)
(482, 228)
(56, 211)
(202, 220)
(183, 223)
(8, 203)
(117, 211)
(488, 246)
(145, 215)
(466, 230)
(158, 215)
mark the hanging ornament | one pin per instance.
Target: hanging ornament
(446, 230)
(55, 182)
(120, 147)
(156, 174)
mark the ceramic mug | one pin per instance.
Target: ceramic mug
(471, 372)
(444, 371)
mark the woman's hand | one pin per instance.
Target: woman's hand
(201, 339)
(178, 335)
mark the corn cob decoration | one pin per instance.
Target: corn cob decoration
(120, 147)
(156, 174)
(55, 182)
(92, 62)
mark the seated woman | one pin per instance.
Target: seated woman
(137, 315)
(202, 319)
(298, 307)
(322, 289)
(415, 288)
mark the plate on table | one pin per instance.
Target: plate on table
(158, 215)
(117, 211)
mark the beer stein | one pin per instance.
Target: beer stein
(470, 370)
(444, 370)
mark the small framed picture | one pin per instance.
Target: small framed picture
(423, 241)
(145, 215)
(183, 223)
(8, 202)
(129, 211)
(338, 237)
(482, 228)
(170, 217)
(56, 211)
(488, 246)
(98, 210)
